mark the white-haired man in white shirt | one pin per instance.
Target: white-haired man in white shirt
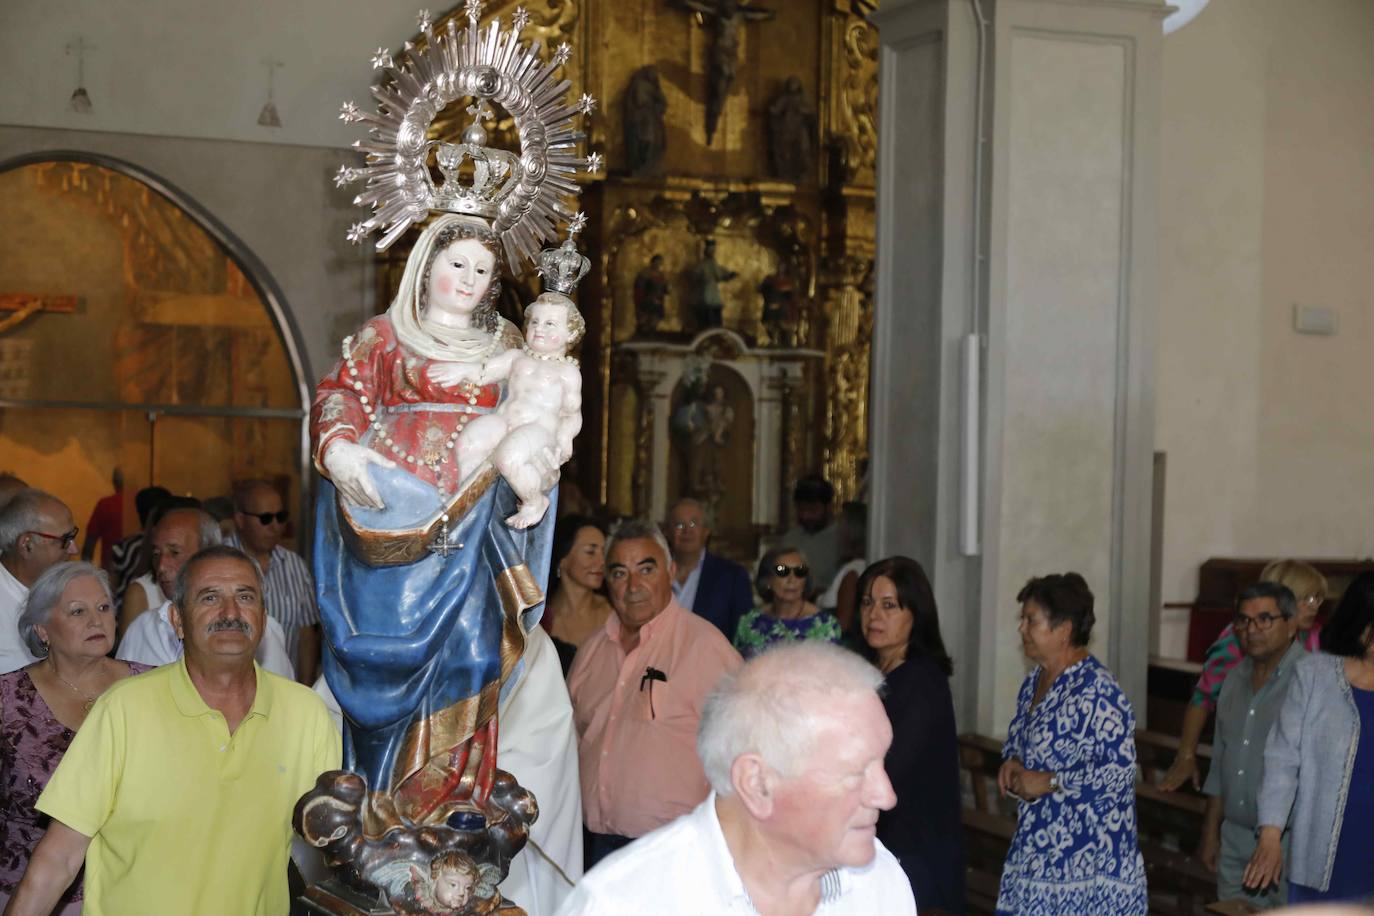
(793, 746)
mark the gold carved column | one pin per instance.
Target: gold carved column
(845, 283)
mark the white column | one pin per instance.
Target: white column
(1065, 211)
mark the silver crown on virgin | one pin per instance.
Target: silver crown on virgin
(525, 196)
(562, 268)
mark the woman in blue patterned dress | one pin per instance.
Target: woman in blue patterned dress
(786, 615)
(1070, 758)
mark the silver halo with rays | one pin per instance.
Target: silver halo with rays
(490, 65)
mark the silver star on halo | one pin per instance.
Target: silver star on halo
(587, 103)
(348, 113)
(381, 59)
(520, 18)
(473, 10)
(577, 223)
(423, 20)
(561, 56)
(356, 232)
(594, 162)
(344, 175)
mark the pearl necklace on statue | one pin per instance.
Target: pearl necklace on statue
(549, 357)
(469, 394)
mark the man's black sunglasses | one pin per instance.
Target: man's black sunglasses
(267, 518)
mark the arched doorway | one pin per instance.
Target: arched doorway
(137, 332)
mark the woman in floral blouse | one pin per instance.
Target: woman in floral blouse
(785, 615)
(69, 623)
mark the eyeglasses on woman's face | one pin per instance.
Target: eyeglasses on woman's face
(782, 571)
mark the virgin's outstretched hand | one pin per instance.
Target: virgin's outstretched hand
(347, 464)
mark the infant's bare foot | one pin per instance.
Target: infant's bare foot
(531, 511)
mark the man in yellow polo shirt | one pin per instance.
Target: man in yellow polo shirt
(178, 789)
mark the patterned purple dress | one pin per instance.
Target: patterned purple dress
(32, 743)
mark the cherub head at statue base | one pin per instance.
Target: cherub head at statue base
(418, 871)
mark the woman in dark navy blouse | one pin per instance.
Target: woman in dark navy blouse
(901, 630)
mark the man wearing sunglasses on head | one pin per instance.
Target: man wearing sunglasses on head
(260, 524)
(1266, 623)
(36, 532)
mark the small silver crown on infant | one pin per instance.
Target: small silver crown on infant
(564, 267)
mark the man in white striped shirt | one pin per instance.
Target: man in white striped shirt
(260, 521)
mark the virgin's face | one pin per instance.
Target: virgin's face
(585, 563)
(459, 278)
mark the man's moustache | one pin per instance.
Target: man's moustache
(225, 623)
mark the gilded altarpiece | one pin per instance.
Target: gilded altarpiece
(803, 247)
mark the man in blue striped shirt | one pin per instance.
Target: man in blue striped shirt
(260, 522)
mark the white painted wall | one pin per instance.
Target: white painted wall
(194, 68)
(1267, 199)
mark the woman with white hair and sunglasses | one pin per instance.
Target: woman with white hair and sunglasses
(68, 621)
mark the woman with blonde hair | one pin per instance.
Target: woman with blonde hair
(1309, 587)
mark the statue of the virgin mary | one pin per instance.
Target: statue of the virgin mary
(428, 599)
(421, 584)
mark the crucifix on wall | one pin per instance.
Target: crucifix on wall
(727, 18)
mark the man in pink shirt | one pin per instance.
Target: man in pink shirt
(638, 686)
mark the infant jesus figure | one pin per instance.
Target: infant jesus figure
(530, 435)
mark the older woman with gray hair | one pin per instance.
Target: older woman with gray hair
(69, 623)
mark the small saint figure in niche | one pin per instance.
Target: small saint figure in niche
(703, 425)
(779, 293)
(645, 105)
(533, 429)
(706, 276)
(791, 132)
(727, 19)
(651, 291)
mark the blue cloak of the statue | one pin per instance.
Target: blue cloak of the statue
(417, 654)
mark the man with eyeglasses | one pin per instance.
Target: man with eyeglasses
(1266, 623)
(260, 524)
(708, 585)
(36, 533)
